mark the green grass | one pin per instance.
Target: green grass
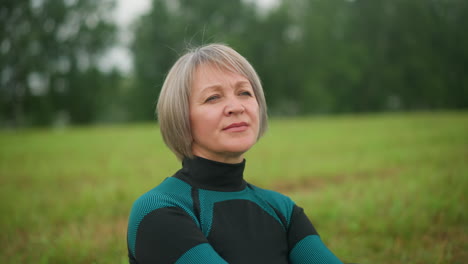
(379, 188)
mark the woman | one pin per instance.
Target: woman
(211, 111)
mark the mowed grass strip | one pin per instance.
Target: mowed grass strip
(387, 188)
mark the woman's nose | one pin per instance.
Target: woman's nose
(234, 107)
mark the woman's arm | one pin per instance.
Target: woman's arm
(169, 235)
(304, 242)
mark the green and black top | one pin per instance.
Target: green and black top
(208, 213)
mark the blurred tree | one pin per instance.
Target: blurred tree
(409, 54)
(374, 55)
(49, 56)
(278, 59)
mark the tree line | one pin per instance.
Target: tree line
(313, 56)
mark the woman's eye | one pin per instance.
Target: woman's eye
(246, 93)
(211, 98)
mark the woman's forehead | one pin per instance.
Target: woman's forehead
(207, 75)
(215, 68)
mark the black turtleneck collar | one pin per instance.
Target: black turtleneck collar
(212, 175)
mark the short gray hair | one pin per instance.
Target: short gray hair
(173, 104)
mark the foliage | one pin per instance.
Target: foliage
(379, 188)
(370, 55)
(50, 51)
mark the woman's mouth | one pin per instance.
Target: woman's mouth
(237, 127)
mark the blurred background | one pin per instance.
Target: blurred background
(368, 133)
(86, 62)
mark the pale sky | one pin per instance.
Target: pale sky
(126, 11)
(129, 9)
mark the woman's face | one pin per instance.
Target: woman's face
(224, 114)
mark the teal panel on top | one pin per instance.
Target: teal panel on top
(311, 250)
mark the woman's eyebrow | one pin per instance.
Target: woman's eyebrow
(205, 91)
(242, 83)
(210, 88)
(217, 86)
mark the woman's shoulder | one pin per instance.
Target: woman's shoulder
(172, 192)
(271, 194)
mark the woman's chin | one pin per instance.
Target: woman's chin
(238, 148)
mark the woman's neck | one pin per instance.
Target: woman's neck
(231, 158)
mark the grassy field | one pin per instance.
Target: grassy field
(379, 188)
